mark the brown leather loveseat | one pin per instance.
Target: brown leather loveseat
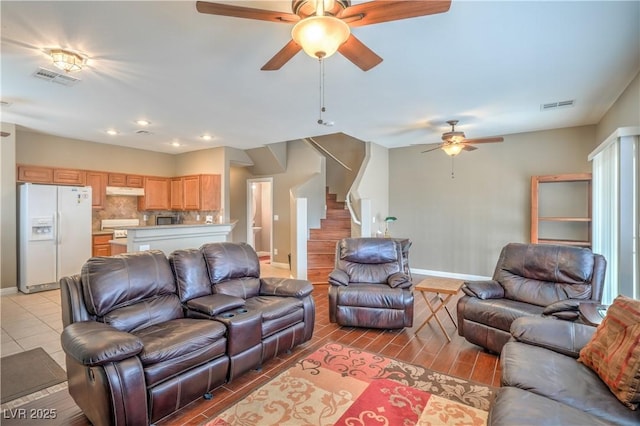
(529, 280)
(136, 352)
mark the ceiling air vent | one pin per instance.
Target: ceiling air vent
(55, 77)
(556, 105)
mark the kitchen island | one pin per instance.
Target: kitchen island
(173, 237)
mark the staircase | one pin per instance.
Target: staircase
(321, 246)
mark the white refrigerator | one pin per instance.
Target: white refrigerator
(54, 234)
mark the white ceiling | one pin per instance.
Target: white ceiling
(488, 64)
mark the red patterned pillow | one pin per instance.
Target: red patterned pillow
(614, 350)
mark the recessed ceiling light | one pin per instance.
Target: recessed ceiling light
(206, 137)
(143, 122)
(112, 132)
(175, 143)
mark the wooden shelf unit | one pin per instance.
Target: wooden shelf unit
(536, 181)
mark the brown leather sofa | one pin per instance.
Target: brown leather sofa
(368, 287)
(139, 346)
(544, 384)
(529, 280)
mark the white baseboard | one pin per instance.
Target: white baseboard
(443, 274)
(280, 265)
(9, 290)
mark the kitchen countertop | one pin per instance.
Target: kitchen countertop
(180, 225)
(119, 242)
(105, 232)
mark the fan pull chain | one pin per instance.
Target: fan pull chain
(322, 108)
(452, 175)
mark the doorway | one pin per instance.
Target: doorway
(260, 216)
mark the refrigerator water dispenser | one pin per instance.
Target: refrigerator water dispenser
(41, 228)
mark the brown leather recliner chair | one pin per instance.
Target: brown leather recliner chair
(529, 280)
(132, 356)
(368, 287)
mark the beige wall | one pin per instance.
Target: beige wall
(458, 225)
(625, 112)
(373, 184)
(47, 150)
(8, 200)
(238, 201)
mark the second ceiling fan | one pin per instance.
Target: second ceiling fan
(323, 27)
(454, 142)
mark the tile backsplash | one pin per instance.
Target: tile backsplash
(125, 207)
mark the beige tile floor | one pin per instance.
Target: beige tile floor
(31, 320)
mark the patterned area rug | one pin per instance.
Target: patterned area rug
(341, 385)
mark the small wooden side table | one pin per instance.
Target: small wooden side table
(444, 286)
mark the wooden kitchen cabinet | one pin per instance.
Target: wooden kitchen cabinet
(177, 194)
(35, 174)
(210, 192)
(39, 174)
(196, 192)
(129, 181)
(69, 177)
(156, 194)
(100, 245)
(98, 183)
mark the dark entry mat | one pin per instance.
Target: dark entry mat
(28, 372)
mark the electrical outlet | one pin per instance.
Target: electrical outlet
(276, 217)
(275, 251)
(197, 218)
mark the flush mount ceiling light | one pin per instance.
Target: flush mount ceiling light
(143, 122)
(66, 60)
(112, 132)
(206, 137)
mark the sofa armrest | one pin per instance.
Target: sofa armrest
(285, 287)
(489, 289)
(94, 343)
(563, 337)
(338, 277)
(213, 304)
(399, 280)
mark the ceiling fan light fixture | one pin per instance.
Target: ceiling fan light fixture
(453, 149)
(320, 36)
(66, 60)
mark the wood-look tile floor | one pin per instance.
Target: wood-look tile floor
(429, 349)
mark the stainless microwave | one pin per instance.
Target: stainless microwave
(166, 220)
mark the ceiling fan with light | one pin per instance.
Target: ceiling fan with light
(323, 27)
(454, 142)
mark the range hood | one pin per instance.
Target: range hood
(121, 190)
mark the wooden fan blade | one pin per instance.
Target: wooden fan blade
(433, 149)
(282, 57)
(484, 140)
(375, 12)
(469, 147)
(355, 51)
(245, 12)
